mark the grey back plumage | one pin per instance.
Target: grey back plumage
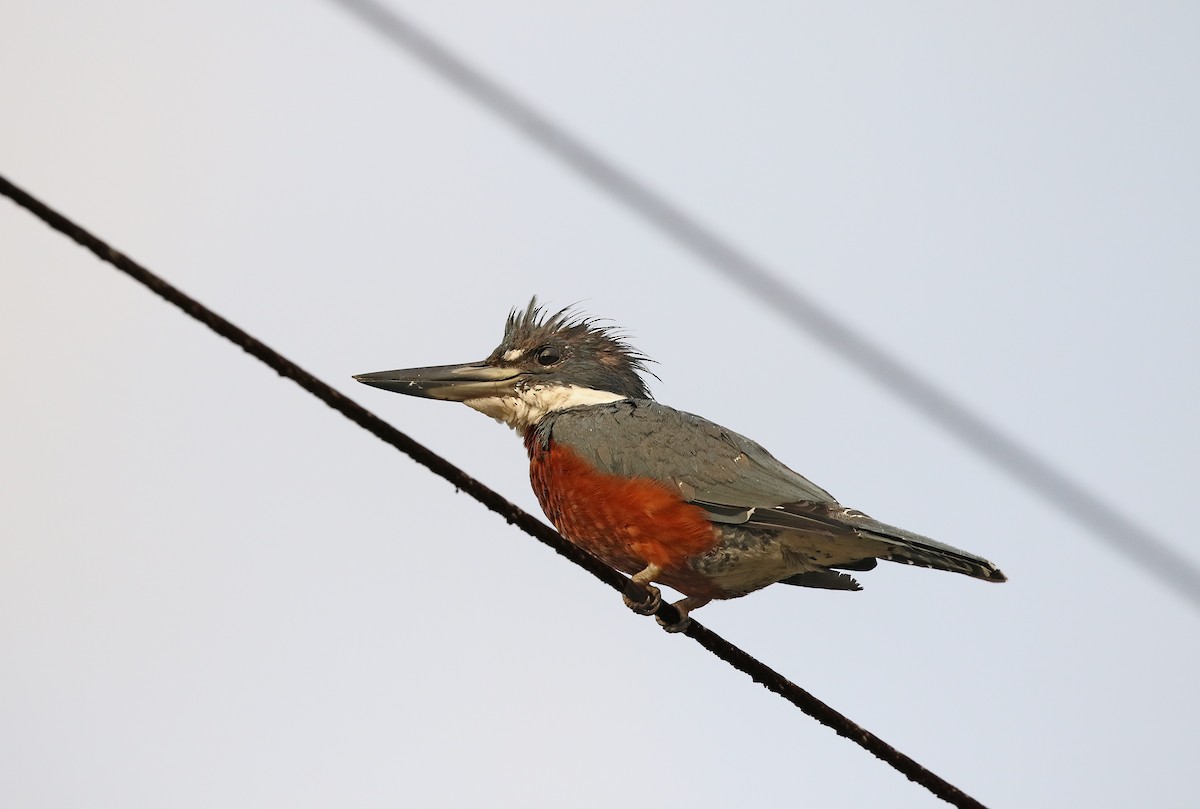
(706, 462)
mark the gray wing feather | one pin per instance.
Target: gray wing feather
(709, 464)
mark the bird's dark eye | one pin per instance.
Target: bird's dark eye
(548, 355)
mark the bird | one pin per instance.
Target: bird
(662, 495)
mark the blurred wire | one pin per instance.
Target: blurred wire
(723, 649)
(1154, 555)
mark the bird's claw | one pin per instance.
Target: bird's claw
(679, 626)
(644, 599)
(683, 608)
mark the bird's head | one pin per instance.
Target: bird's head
(545, 362)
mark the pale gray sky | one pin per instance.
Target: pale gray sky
(215, 592)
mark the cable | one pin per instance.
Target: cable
(734, 656)
(1120, 532)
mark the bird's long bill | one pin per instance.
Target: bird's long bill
(452, 383)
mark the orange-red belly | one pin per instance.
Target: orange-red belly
(628, 522)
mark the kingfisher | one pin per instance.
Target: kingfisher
(664, 496)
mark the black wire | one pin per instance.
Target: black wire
(1120, 532)
(758, 671)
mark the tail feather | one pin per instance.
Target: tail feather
(908, 548)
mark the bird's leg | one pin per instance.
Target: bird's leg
(641, 596)
(683, 606)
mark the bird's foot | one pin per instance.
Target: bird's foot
(644, 599)
(683, 607)
(640, 595)
(679, 626)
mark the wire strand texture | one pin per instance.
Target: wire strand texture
(1119, 531)
(723, 649)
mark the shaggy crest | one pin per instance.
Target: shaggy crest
(603, 348)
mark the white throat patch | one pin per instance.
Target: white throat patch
(526, 408)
